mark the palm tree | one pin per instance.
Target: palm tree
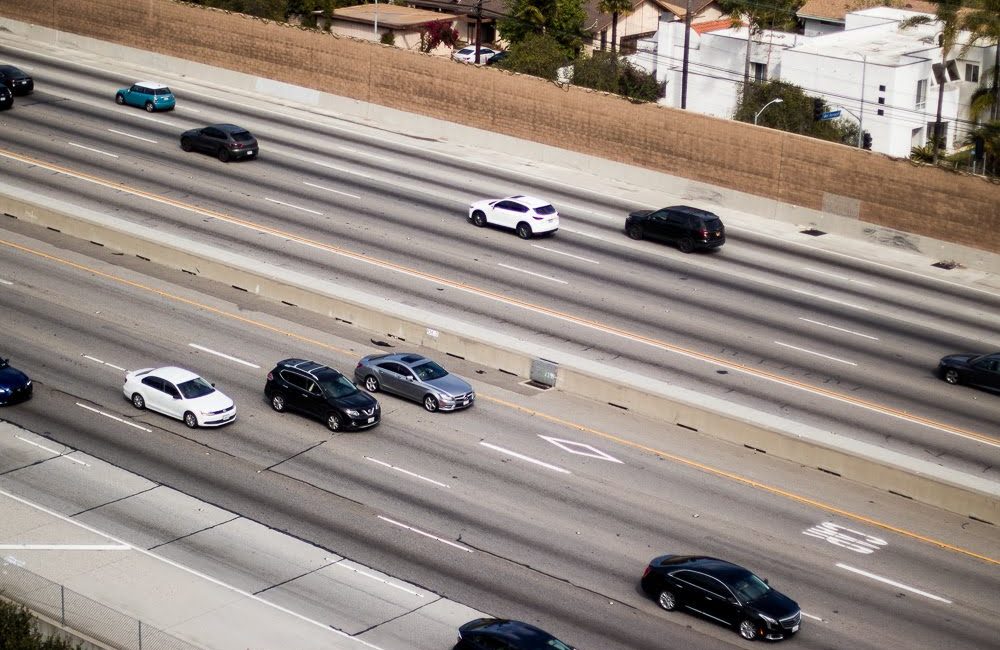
(615, 8)
(947, 16)
(756, 16)
(989, 133)
(982, 20)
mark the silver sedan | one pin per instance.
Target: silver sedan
(414, 377)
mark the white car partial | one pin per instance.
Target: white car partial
(179, 394)
(468, 54)
(526, 215)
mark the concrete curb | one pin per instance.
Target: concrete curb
(864, 463)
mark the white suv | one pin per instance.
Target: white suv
(526, 215)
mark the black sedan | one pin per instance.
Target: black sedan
(981, 370)
(19, 82)
(6, 98)
(15, 386)
(493, 633)
(724, 592)
(225, 141)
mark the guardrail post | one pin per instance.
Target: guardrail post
(140, 635)
(62, 604)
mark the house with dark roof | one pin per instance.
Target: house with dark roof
(825, 16)
(373, 21)
(643, 21)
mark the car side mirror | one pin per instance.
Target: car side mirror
(766, 582)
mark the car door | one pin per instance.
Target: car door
(152, 393)
(715, 599)
(210, 139)
(174, 405)
(298, 391)
(506, 214)
(676, 226)
(390, 377)
(986, 373)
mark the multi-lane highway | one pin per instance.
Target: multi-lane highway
(547, 534)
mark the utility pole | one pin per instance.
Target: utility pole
(687, 43)
(479, 25)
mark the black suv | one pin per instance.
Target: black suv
(321, 392)
(688, 227)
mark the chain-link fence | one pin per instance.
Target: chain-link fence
(77, 612)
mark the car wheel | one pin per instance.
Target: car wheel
(371, 384)
(634, 231)
(430, 403)
(748, 629)
(190, 420)
(224, 154)
(278, 402)
(138, 401)
(119, 99)
(523, 230)
(667, 600)
(685, 245)
(333, 422)
(149, 107)
(186, 144)
(479, 218)
(951, 376)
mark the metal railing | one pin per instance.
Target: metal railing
(77, 612)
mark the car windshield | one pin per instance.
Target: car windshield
(750, 587)
(242, 136)
(428, 371)
(339, 386)
(196, 387)
(558, 645)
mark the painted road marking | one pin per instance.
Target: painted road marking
(420, 532)
(580, 448)
(407, 472)
(839, 329)
(527, 458)
(537, 275)
(103, 363)
(828, 299)
(850, 363)
(137, 137)
(845, 537)
(292, 205)
(377, 579)
(576, 257)
(65, 547)
(839, 277)
(365, 153)
(7, 282)
(330, 189)
(117, 419)
(812, 616)
(103, 153)
(224, 356)
(53, 451)
(893, 583)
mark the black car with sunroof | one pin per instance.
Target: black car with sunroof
(320, 392)
(504, 634)
(19, 82)
(723, 592)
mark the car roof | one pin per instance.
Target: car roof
(228, 128)
(310, 367)
(153, 85)
(173, 374)
(712, 566)
(10, 68)
(512, 630)
(696, 212)
(530, 201)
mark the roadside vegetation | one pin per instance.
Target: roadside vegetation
(18, 631)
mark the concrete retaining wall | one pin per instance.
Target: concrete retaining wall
(857, 461)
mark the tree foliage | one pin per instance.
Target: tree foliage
(981, 19)
(758, 15)
(611, 73)
(563, 20)
(539, 55)
(616, 8)
(18, 632)
(435, 33)
(794, 114)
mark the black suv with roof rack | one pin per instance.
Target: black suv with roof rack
(320, 392)
(686, 227)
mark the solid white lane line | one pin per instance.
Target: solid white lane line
(839, 329)
(52, 451)
(537, 275)
(292, 205)
(103, 153)
(108, 415)
(103, 363)
(65, 547)
(527, 458)
(407, 472)
(129, 135)
(8, 282)
(576, 257)
(849, 363)
(839, 277)
(815, 618)
(420, 532)
(378, 579)
(833, 300)
(893, 583)
(224, 356)
(340, 169)
(186, 569)
(330, 189)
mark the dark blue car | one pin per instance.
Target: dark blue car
(15, 386)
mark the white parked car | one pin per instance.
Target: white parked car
(180, 394)
(526, 215)
(468, 54)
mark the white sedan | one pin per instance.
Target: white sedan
(468, 54)
(526, 215)
(179, 393)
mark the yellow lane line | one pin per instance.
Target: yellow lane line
(523, 409)
(741, 479)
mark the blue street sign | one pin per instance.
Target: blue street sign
(829, 115)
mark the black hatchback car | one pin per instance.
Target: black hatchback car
(19, 82)
(689, 228)
(225, 141)
(15, 386)
(724, 592)
(502, 634)
(320, 392)
(981, 370)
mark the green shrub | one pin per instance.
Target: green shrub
(17, 631)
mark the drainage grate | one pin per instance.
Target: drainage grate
(948, 264)
(536, 384)
(812, 232)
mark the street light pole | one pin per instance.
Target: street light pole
(776, 100)
(687, 44)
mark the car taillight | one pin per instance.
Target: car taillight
(646, 571)
(270, 376)
(236, 145)
(703, 233)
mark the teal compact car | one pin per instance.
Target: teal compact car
(147, 94)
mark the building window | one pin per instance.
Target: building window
(922, 93)
(881, 100)
(880, 112)
(972, 72)
(881, 89)
(759, 71)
